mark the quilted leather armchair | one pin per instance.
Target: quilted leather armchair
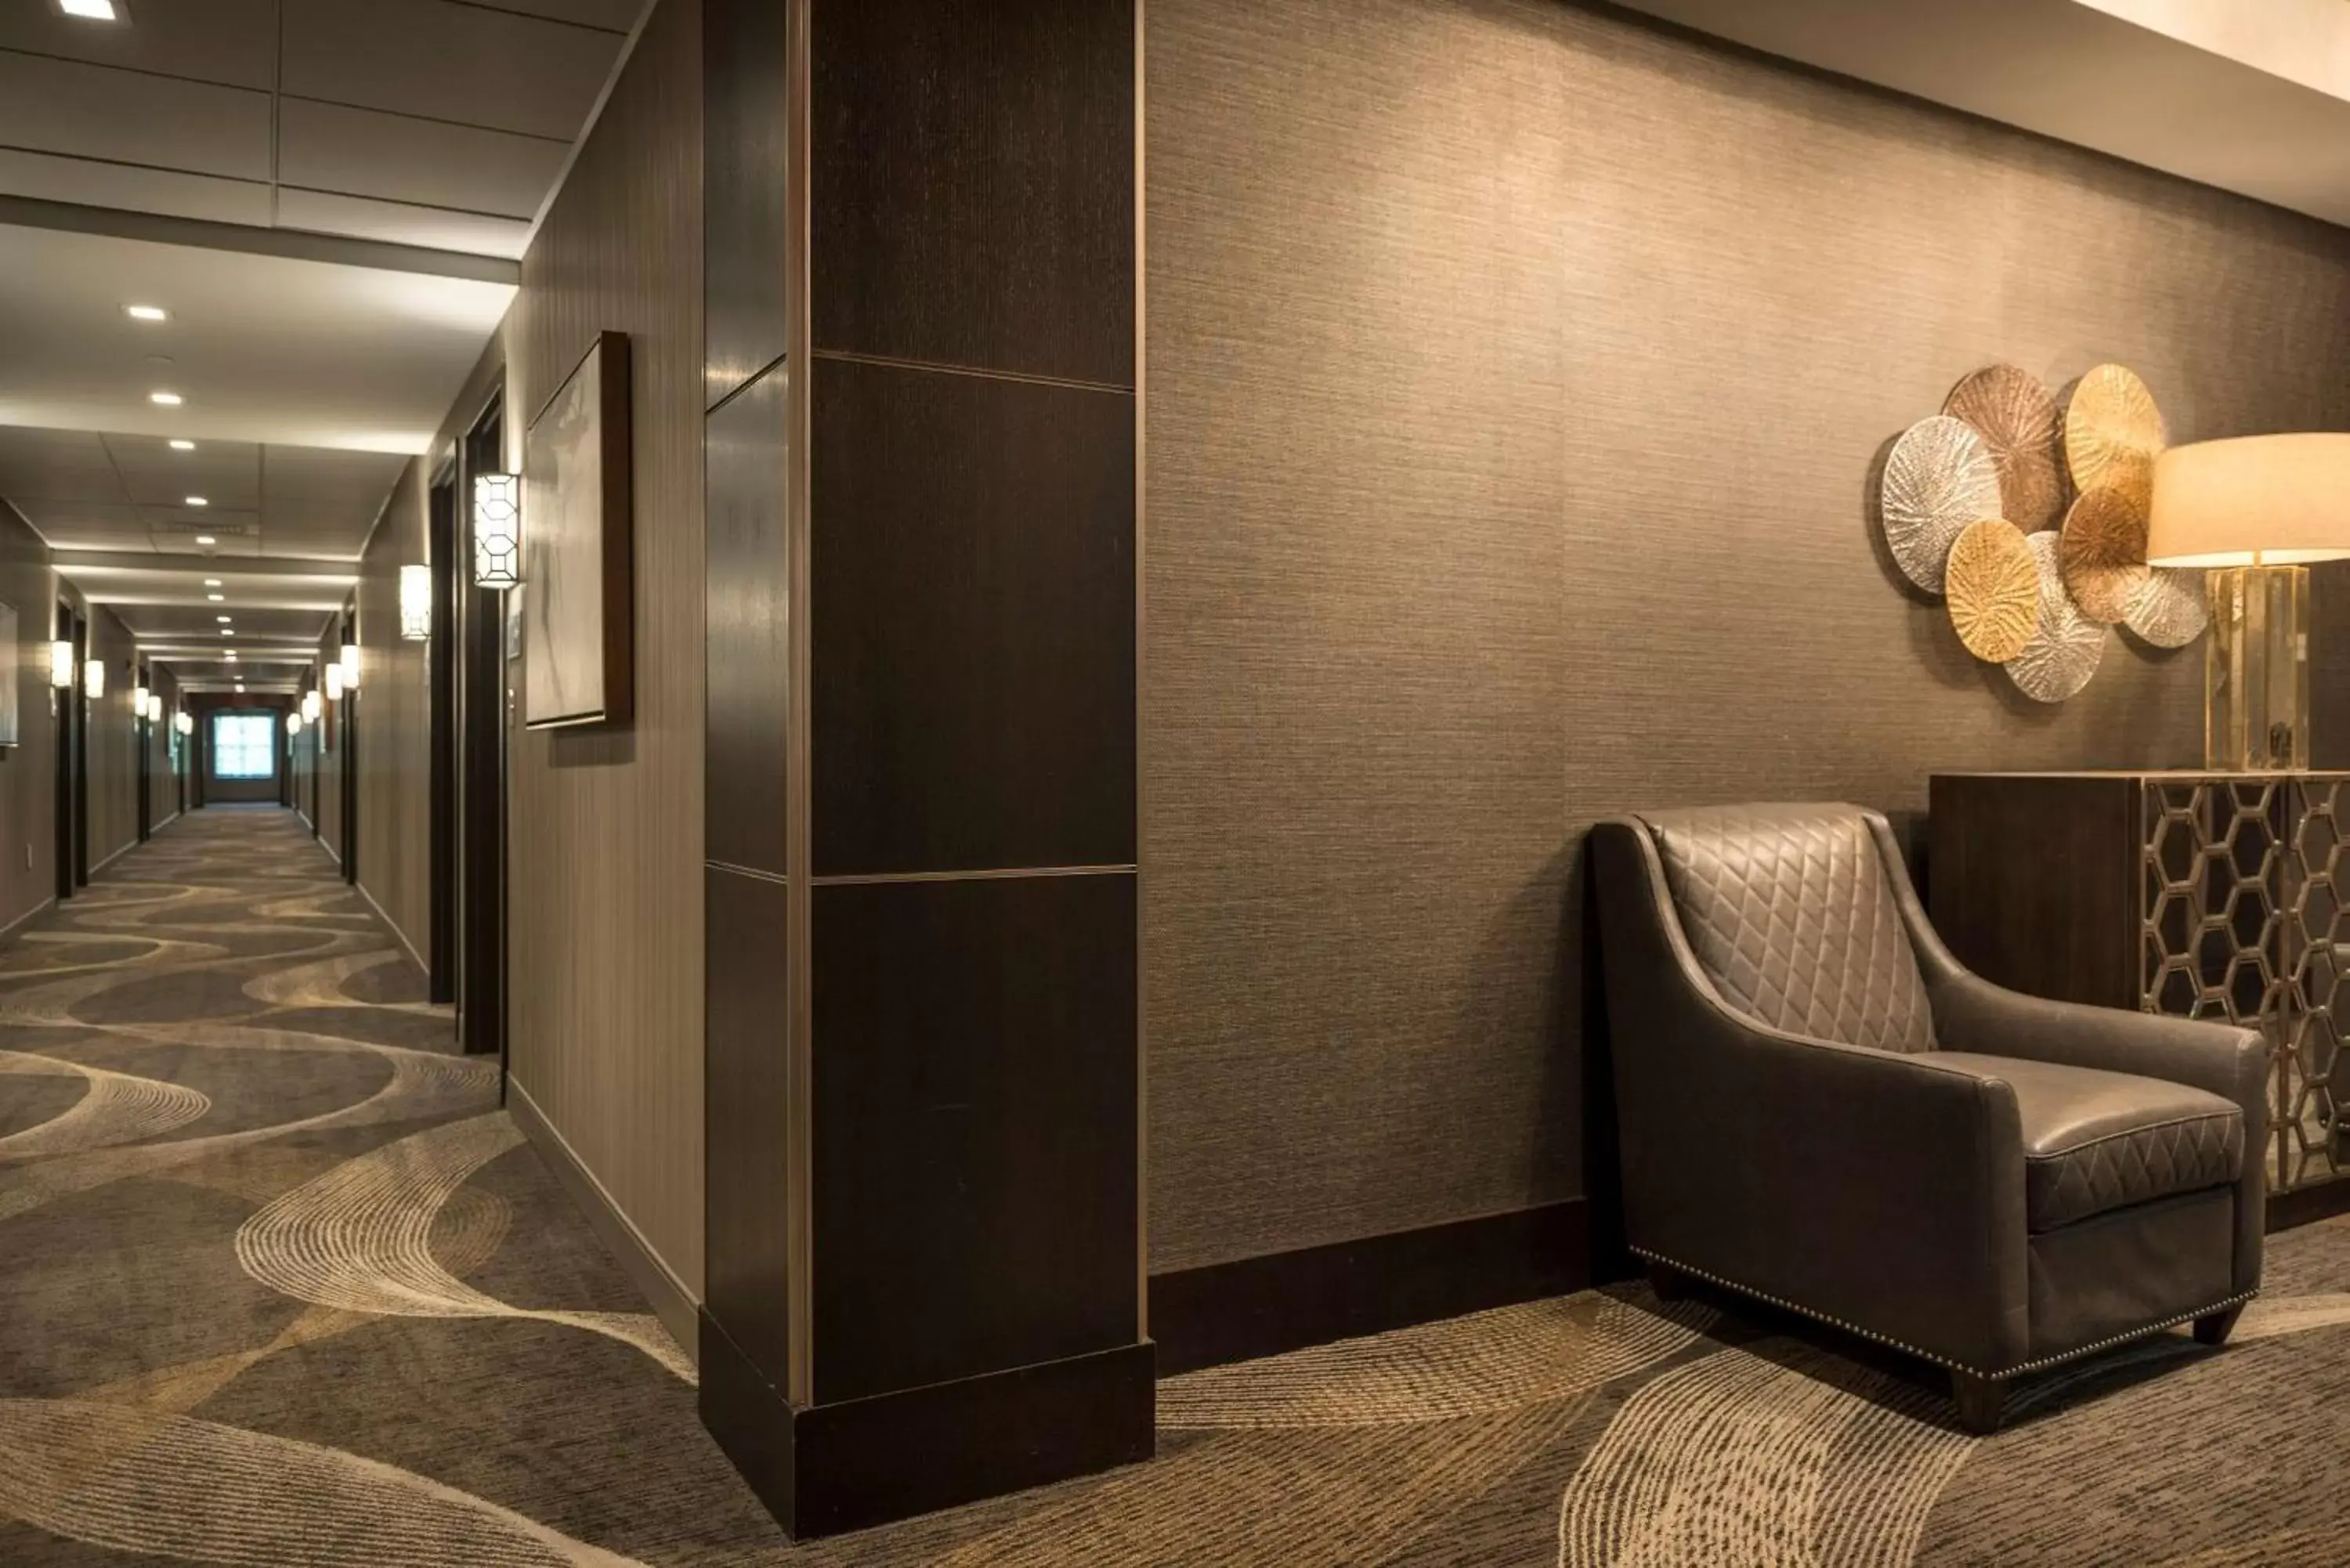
(1820, 1107)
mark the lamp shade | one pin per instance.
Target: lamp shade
(310, 701)
(416, 602)
(184, 721)
(61, 665)
(497, 530)
(2253, 501)
(139, 701)
(334, 683)
(154, 707)
(93, 679)
(351, 665)
(294, 723)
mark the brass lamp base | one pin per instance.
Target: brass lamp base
(2256, 670)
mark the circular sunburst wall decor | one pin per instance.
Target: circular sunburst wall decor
(2066, 648)
(1939, 478)
(1995, 588)
(2016, 416)
(2113, 432)
(2102, 550)
(2171, 609)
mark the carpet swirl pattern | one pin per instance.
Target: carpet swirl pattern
(281, 1285)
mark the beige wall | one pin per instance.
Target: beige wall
(394, 722)
(28, 768)
(1516, 375)
(605, 828)
(164, 790)
(113, 742)
(328, 759)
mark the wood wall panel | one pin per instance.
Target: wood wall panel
(162, 783)
(29, 828)
(1510, 431)
(393, 715)
(606, 825)
(113, 742)
(329, 764)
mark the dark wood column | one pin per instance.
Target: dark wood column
(923, 1234)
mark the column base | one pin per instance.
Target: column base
(825, 1468)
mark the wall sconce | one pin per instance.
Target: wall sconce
(184, 721)
(311, 703)
(61, 662)
(139, 701)
(415, 603)
(497, 530)
(294, 723)
(335, 683)
(154, 707)
(93, 679)
(350, 667)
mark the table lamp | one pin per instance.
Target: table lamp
(2256, 510)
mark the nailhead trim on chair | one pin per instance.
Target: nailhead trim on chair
(2016, 1371)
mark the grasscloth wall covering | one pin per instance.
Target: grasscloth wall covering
(113, 742)
(394, 721)
(605, 828)
(1516, 374)
(28, 829)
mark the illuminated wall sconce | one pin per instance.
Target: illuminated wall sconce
(184, 721)
(415, 603)
(93, 679)
(335, 683)
(139, 701)
(497, 530)
(61, 670)
(292, 724)
(311, 704)
(154, 707)
(350, 667)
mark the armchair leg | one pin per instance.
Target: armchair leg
(2213, 1328)
(1668, 1283)
(1978, 1399)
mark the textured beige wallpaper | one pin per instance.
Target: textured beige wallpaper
(1516, 378)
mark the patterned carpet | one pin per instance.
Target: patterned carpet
(280, 1285)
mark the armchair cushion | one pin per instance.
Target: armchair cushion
(2094, 1141)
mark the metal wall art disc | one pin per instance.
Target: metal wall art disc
(2016, 417)
(1994, 588)
(2103, 552)
(2169, 609)
(1939, 478)
(2112, 434)
(2064, 652)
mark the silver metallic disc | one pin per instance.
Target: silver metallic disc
(1939, 478)
(2170, 609)
(2066, 651)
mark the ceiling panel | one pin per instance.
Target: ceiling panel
(86, 525)
(166, 542)
(327, 214)
(366, 153)
(96, 112)
(172, 583)
(263, 348)
(228, 41)
(48, 177)
(58, 465)
(202, 623)
(456, 62)
(226, 473)
(613, 16)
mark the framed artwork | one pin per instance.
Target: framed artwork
(11, 671)
(579, 641)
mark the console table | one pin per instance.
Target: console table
(2205, 895)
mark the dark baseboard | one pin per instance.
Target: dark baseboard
(2308, 1204)
(662, 1290)
(1286, 1301)
(827, 1469)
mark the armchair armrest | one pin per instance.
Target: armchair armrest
(1972, 1014)
(1880, 1190)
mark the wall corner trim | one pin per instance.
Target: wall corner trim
(674, 1305)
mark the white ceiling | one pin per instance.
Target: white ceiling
(327, 197)
(2251, 96)
(430, 123)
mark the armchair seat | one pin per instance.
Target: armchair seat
(2095, 1141)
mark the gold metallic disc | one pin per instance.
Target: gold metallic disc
(1995, 588)
(2113, 432)
(1939, 478)
(2064, 652)
(2169, 609)
(2016, 417)
(2102, 552)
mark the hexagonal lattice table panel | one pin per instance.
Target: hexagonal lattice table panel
(2245, 919)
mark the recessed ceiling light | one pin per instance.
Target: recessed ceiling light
(183, 446)
(226, 632)
(166, 399)
(146, 312)
(92, 10)
(212, 582)
(216, 598)
(199, 500)
(223, 619)
(207, 539)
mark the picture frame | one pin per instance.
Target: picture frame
(577, 548)
(12, 677)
